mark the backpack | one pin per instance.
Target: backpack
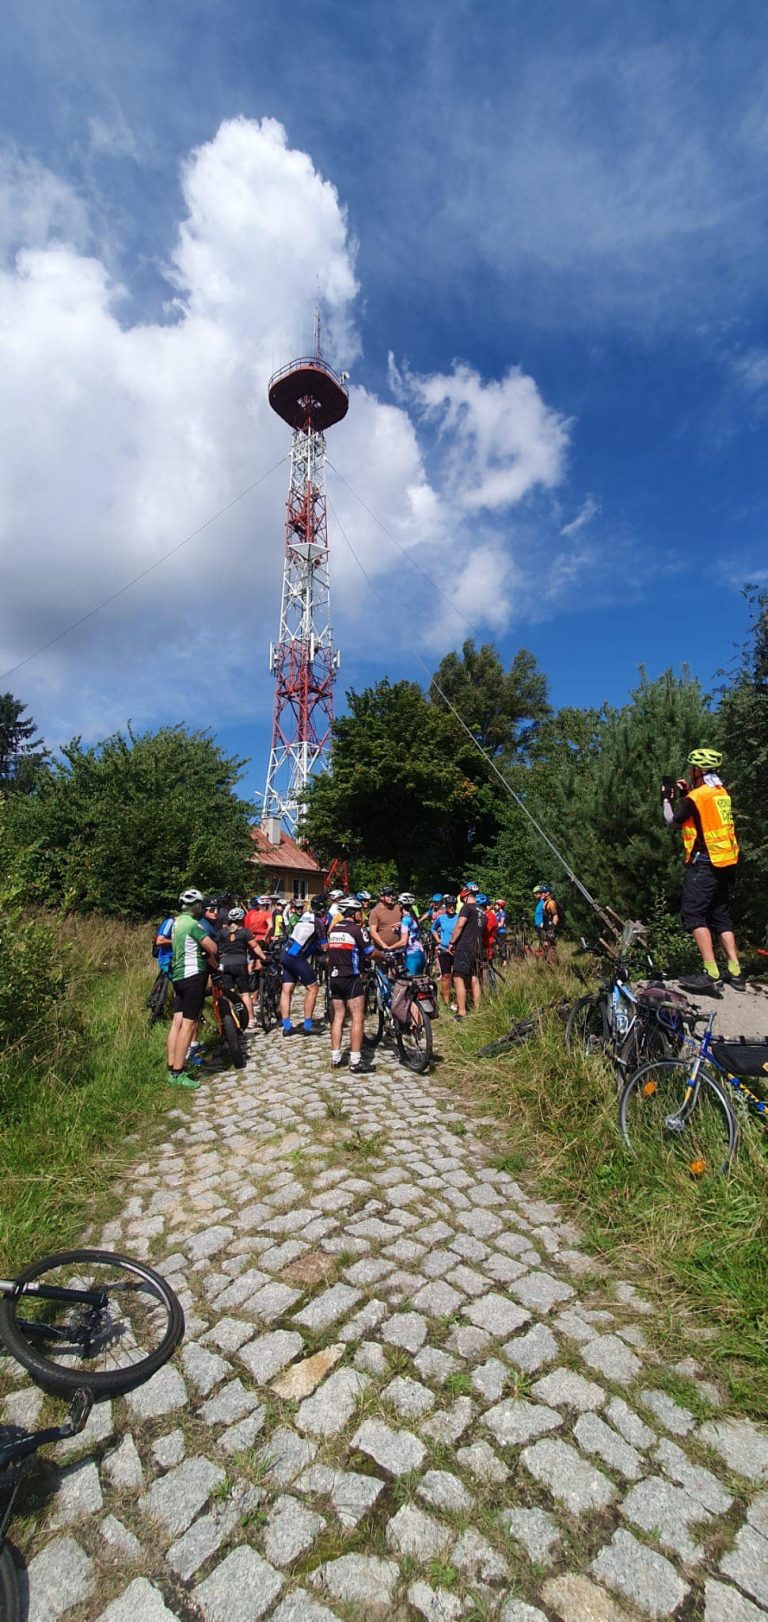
(559, 909)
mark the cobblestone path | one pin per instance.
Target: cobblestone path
(404, 1391)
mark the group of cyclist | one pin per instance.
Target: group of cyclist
(459, 934)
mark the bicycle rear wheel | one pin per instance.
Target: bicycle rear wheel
(414, 1040)
(110, 1342)
(233, 1040)
(659, 1113)
(586, 1029)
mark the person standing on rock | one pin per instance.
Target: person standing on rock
(704, 814)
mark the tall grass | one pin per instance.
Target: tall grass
(700, 1246)
(86, 1074)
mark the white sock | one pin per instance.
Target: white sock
(336, 1054)
(354, 1058)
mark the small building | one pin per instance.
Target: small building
(287, 869)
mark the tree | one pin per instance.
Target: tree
(395, 793)
(22, 754)
(123, 827)
(612, 821)
(743, 727)
(501, 708)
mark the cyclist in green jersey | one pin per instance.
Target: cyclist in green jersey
(189, 976)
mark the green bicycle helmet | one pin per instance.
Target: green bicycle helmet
(707, 760)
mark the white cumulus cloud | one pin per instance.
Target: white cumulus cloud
(121, 437)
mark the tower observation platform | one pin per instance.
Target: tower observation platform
(311, 398)
(307, 392)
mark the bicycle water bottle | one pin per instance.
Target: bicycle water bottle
(620, 1016)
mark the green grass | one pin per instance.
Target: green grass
(93, 1074)
(701, 1248)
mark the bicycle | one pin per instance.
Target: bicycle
(413, 1035)
(157, 1001)
(231, 1016)
(86, 1309)
(625, 1026)
(271, 987)
(685, 1103)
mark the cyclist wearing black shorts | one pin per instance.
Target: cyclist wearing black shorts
(236, 946)
(348, 950)
(443, 930)
(298, 966)
(189, 973)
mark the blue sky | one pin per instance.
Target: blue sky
(540, 238)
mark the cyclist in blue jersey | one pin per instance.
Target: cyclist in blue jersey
(442, 932)
(162, 948)
(410, 935)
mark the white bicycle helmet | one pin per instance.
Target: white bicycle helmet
(188, 898)
(350, 903)
(236, 915)
(405, 899)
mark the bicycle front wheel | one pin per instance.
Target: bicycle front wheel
(90, 1318)
(267, 1005)
(158, 997)
(373, 1016)
(661, 1114)
(414, 1040)
(586, 1029)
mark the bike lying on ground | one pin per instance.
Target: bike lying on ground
(405, 1006)
(85, 1324)
(687, 1106)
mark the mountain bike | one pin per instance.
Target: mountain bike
(157, 1001)
(413, 1033)
(687, 1106)
(231, 1016)
(85, 1324)
(271, 987)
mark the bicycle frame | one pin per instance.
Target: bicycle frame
(703, 1053)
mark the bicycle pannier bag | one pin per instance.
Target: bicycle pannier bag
(402, 997)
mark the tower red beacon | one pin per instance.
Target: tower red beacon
(310, 397)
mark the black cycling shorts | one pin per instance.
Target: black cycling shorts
(708, 894)
(298, 971)
(466, 966)
(445, 959)
(345, 987)
(189, 995)
(240, 977)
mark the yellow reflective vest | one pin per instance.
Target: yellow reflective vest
(713, 805)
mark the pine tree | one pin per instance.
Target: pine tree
(22, 753)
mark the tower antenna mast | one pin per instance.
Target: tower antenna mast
(310, 398)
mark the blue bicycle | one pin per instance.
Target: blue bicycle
(687, 1106)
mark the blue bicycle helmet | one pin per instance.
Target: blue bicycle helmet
(437, 896)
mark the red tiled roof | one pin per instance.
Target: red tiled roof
(287, 854)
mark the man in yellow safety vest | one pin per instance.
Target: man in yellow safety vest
(704, 815)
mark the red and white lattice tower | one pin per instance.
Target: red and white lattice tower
(310, 397)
